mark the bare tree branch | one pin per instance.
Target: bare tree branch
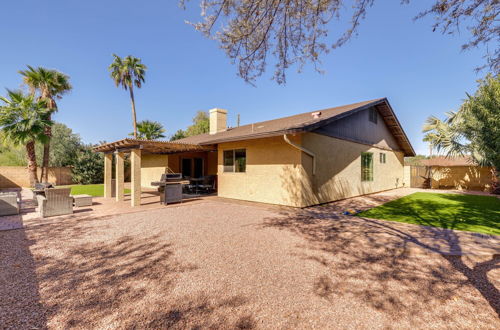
(295, 31)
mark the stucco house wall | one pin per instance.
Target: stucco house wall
(152, 167)
(272, 169)
(338, 169)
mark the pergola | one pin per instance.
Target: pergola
(136, 148)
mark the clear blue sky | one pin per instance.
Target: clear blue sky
(421, 72)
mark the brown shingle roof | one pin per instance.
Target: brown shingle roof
(305, 122)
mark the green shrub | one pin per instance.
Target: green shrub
(88, 167)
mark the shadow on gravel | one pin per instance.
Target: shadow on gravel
(201, 312)
(377, 263)
(87, 282)
(20, 305)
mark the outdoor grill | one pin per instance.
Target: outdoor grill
(170, 187)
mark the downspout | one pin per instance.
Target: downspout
(313, 156)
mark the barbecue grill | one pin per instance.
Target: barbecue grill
(170, 187)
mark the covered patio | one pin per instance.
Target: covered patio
(148, 160)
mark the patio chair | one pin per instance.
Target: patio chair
(57, 201)
(208, 184)
(8, 203)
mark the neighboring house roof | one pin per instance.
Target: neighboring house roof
(305, 122)
(443, 161)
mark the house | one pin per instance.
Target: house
(302, 160)
(452, 173)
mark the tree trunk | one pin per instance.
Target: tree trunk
(46, 147)
(46, 155)
(134, 118)
(31, 156)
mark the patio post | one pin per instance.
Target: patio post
(119, 175)
(135, 155)
(108, 161)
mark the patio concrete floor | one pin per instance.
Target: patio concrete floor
(214, 263)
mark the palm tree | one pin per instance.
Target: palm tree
(446, 135)
(23, 120)
(149, 130)
(127, 72)
(51, 85)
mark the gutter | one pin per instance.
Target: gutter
(310, 153)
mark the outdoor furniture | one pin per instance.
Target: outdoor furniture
(8, 203)
(82, 200)
(208, 184)
(194, 185)
(57, 201)
(39, 189)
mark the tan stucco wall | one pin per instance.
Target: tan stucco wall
(272, 169)
(462, 177)
(152, 167)
(407, 176)
(17, 176)
(338, 170)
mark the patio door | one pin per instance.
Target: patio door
(198, 167)
(192, 167)
(186, 167)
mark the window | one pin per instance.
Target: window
(228, 160)
(240, 160)
(382, 158)
(373, 115)
(366, 166)
(235, 160)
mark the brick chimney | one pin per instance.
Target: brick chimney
(218, 120)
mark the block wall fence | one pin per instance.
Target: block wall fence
(17, 176)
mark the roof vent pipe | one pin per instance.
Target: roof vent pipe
(310, 153)
(316, 114)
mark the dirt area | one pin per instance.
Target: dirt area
(220, 264)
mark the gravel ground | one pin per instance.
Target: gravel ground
(216, 264)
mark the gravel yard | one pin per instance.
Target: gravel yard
(219, 264)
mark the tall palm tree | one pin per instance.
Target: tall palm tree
(127, 72)
(149, 130)
(23, 120)
(51, 85)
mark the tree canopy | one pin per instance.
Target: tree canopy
(201, 125)
(149, 130)
(472, 130)
(64, 145)
(128, 72)
(299, 31)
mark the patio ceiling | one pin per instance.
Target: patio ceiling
(149, 146)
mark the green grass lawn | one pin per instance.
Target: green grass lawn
(463, 212)
(96, 190)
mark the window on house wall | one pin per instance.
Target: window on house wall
(382, 158)
(373, 115)
(240, 160)
(235, 160)
(367, 166)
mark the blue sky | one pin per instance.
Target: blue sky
(421, 72)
